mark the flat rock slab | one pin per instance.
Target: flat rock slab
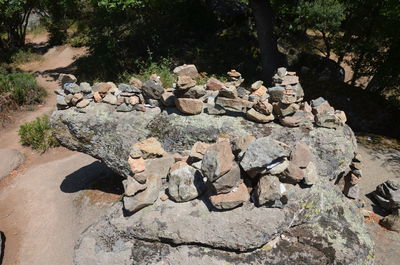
(10, 159)
(105, 134)
(320, 228)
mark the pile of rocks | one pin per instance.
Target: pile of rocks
(282, 102)
(227, 173)
(387, 195)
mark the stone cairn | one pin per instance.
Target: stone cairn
(229, 172)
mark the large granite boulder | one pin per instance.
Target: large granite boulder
(100, 131)
(319, 227)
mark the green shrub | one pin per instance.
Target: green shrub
(22, 86)
(38, 134)
(25, 56)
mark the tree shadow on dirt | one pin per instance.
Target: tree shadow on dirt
(96, 176)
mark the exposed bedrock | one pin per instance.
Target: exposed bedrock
(103, 133)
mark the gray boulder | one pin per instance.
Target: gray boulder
(185, 184)
(152, 90)
(319, 227)
(388, 194)
(10, 159)
(108, 135)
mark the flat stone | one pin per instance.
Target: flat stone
(341, 115)
(194, 92)
(66, 78)
(310, 174)
(189, 105)
(125, 88)
(71, 88)
(137, 164)
(284, 110)
(280, 167)
(135, 152)
(293, 173)
(256, 85)
(217, 160)
(256, 116)
(214, 84)
(97, 97)
(262, 152)
(198, 150)
(185, 183)
(288, 97)
(156, 166)
(144, 198)
(110, 99)
(228, 181)
(168, 99)
(226, 201)
(85, 87)
(260, 91)
(327, 120)
(187, 69)
(131, 186)
(125, 108)
(276, 93)
(289, 80)
(228, 92)
(234, 104)
(150, 148)
(241, 144)
(300, 155)
(102, 87)
(61, 101)
(152, 89)
(264, 107)
(185, 82)
(83, 103)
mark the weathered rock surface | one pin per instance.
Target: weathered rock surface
(320, 227)
(10, 159)
(185, 183)
(108, 135)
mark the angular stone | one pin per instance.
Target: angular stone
(256, 116)
(135, 82)
(97, 97)
(152, 90)
(168, 99)
(187, 69)
(276, 93)
(321, 106)
(233, 199)
(189, 105)
(76, 98)
(61, 101)
(102, 87)
(241, 144)
(234, 74)
(217, 160)
(262, 152)
(281, 71)
(293, 173)
(254, 98)
(298, 119)
(134, 100)
(268, 190)
(289, 97)
(229, 92)
(256, 85)
(327, 120)
(198, 151)
(289, 80)
(284, 110)
(135, 152)
(280, 167)
(185, 82)
(387, 194)
(129, 89)
(214, 84)
(110, 99)
(260, 91)
(214, 109)
(144, 198)
(71, 88)
(185, 183)
(194, 92)
(310, 174)
(150, 148)
(353, 191)
(137, 164)
(83, 103)
(236, 104)
(264, 107)
(131, 186)
(156, 166)
(85, 87)
(228, 181)
(341, 115)
(300, 155)
(66, 78)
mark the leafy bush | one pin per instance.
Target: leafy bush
(38, 134)
(22, 86)
(25, 56)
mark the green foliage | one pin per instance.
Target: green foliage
(22, 86)
(38, 134)
(25, 56)
(163, 68)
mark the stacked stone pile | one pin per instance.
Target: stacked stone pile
(282, 102)
(226, 172)
(387, 196)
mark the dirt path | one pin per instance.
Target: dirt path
(40, 218)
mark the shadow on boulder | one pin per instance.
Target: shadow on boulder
(2, 246)
(96, 176)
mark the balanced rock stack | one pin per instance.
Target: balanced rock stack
(264, 168)
(387, 195)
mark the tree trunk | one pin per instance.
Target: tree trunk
(263, 14)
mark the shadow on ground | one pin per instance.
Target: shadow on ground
(96, 176)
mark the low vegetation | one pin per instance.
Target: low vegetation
(19, 88)
(25, 56)
(38, 134)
